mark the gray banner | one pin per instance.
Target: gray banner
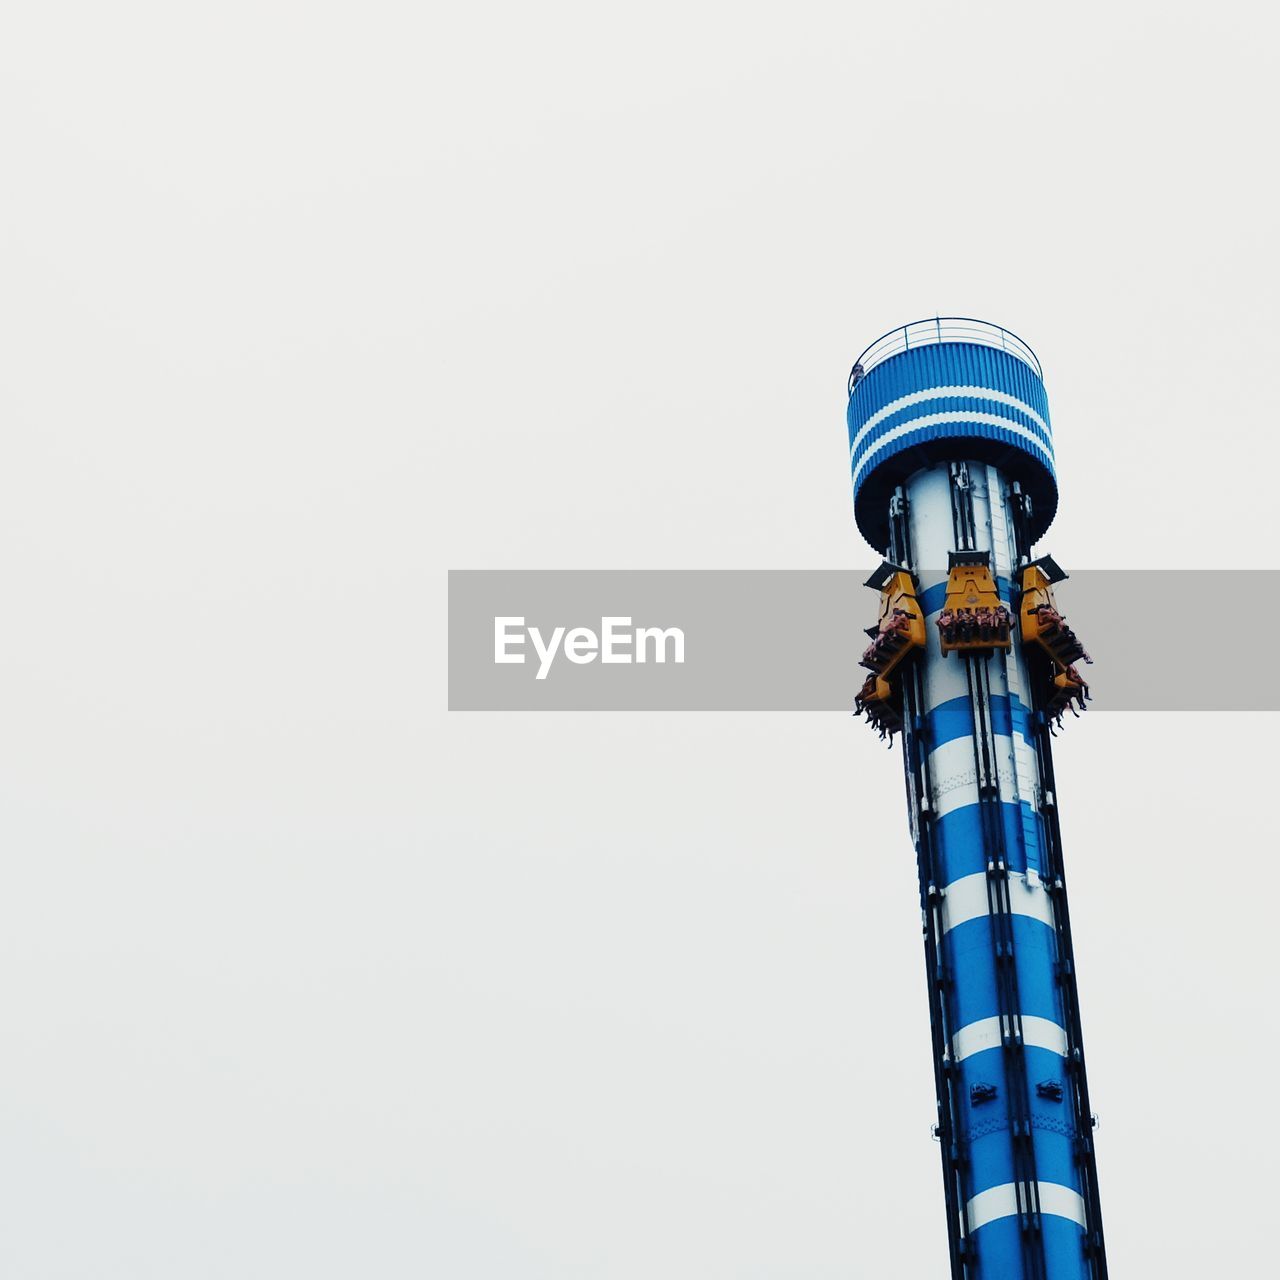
(789, 640)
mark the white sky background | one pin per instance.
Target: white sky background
(304, 304)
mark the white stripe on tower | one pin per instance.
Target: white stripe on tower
(940, 393)
(987, 1033)
(966, 899)
(956, 778)
(1002, 1202)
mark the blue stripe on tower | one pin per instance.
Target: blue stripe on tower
(987, 1122)
(999, 1246)
(976, 1000)
(1012, 436)
(962, 845)
(954, 719)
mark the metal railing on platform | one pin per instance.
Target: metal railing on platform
(923, 333)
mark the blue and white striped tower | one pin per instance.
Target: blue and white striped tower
(952, 457)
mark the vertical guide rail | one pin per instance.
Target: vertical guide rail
(1000, 912)
(915, 759)
(1086, 1157)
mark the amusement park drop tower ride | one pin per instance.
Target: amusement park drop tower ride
(953, 481)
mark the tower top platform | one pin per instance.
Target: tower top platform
(947, 389)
